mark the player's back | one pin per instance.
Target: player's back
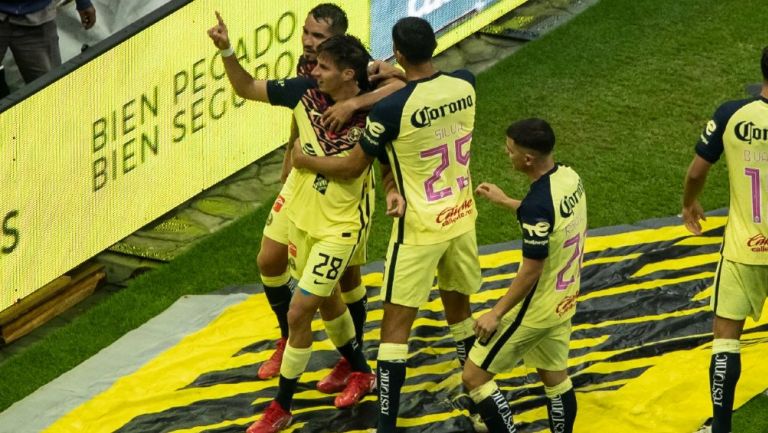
(430, 154)
(553, 218)
(740, 130)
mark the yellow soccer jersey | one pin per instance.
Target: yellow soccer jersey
(740, 129)
(424, 131)
(329, 209)
(553, 219)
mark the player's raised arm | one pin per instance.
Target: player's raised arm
(244, 84)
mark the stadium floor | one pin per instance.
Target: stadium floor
(639, 353)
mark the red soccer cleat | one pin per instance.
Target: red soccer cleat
(358, 386)
(275, 418)
(271, 367)
(336, 379)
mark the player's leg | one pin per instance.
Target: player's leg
(738, 293)
(561, 400)
(298, 350)
(459, 318)
(272, 261)
(355, 295)
(353, 292)
(393, 352)
(493, 407)
(341, 331)
(458, 277)
(724, 371)
(356, 301)
(408, 279)
(550, 358)
(499, 354)
(319, 266)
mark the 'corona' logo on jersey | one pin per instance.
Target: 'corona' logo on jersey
(425, 115)
(748, 131)
(568, 203)
(758, 243)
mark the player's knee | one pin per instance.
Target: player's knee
(351, 279)
(299, 315)
(471, 379)
(271, 263)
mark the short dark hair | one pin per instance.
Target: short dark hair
(415, 39)
(764, 63)
(346, 51)
(333, 15)
(534, 134)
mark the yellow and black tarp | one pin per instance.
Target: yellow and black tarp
(639, 353)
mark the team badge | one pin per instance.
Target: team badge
(354, 134)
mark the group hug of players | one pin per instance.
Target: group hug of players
(418, 123)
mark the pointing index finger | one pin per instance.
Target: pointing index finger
(218, 17)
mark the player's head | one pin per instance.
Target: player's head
(414, 41)
(529, 141)
(323, 21)
(764, 64)
(341, 60)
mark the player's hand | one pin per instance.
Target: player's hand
(692, 215)
(338, 114)
(380, 71)
(395, 204)
(492, 193)
(297, 155)
(486, 326)
(219, 34)
(88, 17)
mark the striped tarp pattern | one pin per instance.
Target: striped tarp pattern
(639, 353)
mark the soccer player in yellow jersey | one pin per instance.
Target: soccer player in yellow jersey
(738, 129)
(328, 216)
(424, 133)
(322, 22)
(532, 321)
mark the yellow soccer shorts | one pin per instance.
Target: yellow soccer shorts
(360, 256)
(277, 225)
(316, 264)
(739, 290)
(409, 273)
(544, 348)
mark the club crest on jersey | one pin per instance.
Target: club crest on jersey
(354, 134)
